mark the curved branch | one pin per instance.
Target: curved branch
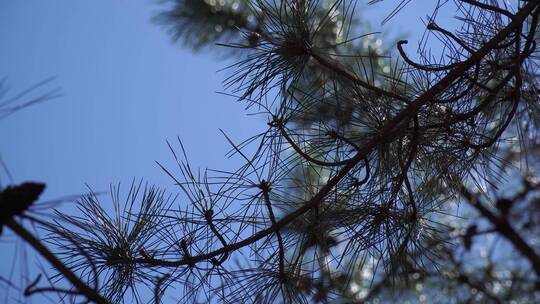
(434, 27)
(265, 189)
(421, 66)
(208, 216)
(306, 156)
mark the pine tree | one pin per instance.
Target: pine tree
(380, 177)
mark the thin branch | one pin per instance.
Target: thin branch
(265, 189)
(504, 227)
(88, 292)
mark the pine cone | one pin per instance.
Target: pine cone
(14, 200)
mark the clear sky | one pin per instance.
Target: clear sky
(126, 90)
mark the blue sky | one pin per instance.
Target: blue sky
(126, 90)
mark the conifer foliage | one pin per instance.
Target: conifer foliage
(377, 177)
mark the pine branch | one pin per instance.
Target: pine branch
(386, 132)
